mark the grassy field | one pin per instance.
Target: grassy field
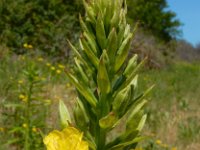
(174, 115)
(173, 111)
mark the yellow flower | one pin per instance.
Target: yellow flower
(48, 64)
(24, 125)
(53, 68)
(164, 145)
(174, 148)
(25, 45)
(23, 98)
(159, 142)
(68, 85)
(34, 129)
(139, 148)
(68, 139)
(20, 82)
(58, 71)
(61, 66)
(2, 129)
(30, 46)
(40, 59)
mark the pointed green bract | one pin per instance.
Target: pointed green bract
(102, 76)
(64, 114)
(80, 114)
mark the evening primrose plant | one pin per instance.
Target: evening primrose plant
(25, 115)
(106, 81)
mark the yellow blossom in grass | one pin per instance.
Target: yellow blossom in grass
(34, 129)
(68, 85)
(139, 148)
(23, 98)
(173, 148)
(164, 145)
(24, 125)
(48, 64)
(159, 142)
(20, 82)
(30, 46)
(53, 68)
(61, 66)
(25, 45)
(58, 71)
(68, 139)
(40, 59)
(2, 129)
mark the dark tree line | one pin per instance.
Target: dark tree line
(154, 17)
(46, 24)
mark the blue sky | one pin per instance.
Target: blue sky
(188, 12)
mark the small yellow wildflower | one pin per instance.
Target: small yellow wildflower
(48, 64)
(36, 78)
(24, 125)
(2, 129)
(23, 98)
(159, 142)
(40, 59)
(43, 78)
(61, 66)
(58, 71)
(34, 129)
(47, 102)
(68, 139)
(30, 46)
(21, 57)
(164, 145)
(53, 68)
(139, 148)
(174, 148)
(25, 45)
(68, 85)
(20, 82)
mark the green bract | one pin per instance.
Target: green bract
(106, 82)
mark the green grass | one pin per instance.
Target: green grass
(173, 112)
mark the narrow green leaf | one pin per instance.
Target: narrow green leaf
(64, 114)
(120, 99)
(131, 65)
(79, 56)
(80, 69)
(90, 12)
(91, 42)
(122, 145)
(80, 116)
(132, 121)
(126, 136)
(122, 53)
(108, 121)
(112, 45)
(89, 52)
(85, 91)
(100, 32)
(102, 76)
(142, 122)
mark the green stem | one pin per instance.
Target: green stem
(101, 133)
(100, 138)
(27, 136)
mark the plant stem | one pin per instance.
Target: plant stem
(27, 142)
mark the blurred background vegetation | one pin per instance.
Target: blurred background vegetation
(35, 32)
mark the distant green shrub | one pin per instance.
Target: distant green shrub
(44, 24)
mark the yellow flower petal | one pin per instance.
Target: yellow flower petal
(68, 139)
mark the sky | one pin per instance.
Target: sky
(188, 12)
